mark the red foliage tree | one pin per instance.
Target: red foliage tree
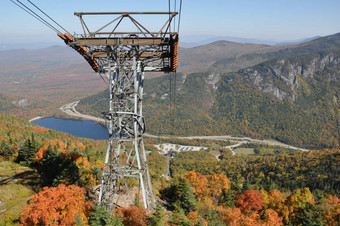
(57, 206)
(250, 201)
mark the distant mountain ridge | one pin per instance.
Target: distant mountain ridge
(195, 41)
(186, 42)
(235, 56)
(222, 55)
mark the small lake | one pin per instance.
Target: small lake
(79, 128)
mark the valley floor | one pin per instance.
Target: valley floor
(70, 109)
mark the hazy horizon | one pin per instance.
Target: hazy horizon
(185, 42)
(276, 21)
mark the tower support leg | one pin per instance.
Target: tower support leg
(125, 175)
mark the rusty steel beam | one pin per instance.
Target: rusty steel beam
(118, 41)
(128, 33)
(142, 55)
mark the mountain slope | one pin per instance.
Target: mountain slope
(294, 100)
(234, 63)
(304, 112)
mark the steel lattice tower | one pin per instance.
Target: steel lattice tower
(121, 58)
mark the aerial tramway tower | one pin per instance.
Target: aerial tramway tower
(121, 58)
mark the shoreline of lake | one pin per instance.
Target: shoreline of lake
(80, 128)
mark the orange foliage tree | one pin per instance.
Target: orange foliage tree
(209, 185)
(250, 201)
(133, 216)
(272, 218)
(218, 183)
(231, 216)
(40, 154)
(198, 183)
(196, 219)
(234, 217)
(331, 205)
(60, 205)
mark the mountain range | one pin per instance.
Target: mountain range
(285, 92)
(188, 41)
(195, 40)
(288, 93)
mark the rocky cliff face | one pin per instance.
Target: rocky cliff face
(281, 76)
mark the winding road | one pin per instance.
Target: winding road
(70, 109)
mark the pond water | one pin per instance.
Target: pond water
(79, 128)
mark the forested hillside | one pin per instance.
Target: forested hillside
(294, 100)
(50, 157)
(23, 106)
(289, 94)
(267, 188)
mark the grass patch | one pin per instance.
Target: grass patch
(17, 185)
(244, 151)
(8, 169)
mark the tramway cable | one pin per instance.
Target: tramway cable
(179, 15)
(49, 17)
(36, 17)
(55, 29)
(173, 75)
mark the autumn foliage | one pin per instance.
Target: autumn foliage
(289, 188)
(250, 201)
(60, 205)
(234, 217)
(208, 185)
(332, 206)
(133, 216)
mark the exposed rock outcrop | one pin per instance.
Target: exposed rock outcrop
(281, 76)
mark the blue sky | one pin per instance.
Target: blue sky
(278, 20)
